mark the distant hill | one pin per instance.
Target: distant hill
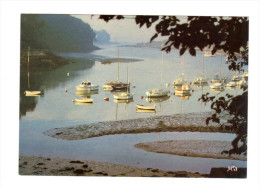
(47, 34)
(102, 36)
(64, 33)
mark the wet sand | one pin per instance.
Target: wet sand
(69, 167)
(192, 148)
(194, 122)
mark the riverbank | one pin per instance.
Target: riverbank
(72, 167)
(192, 148)
(193, 122)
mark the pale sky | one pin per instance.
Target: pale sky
(120, 30)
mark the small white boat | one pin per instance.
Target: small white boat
(242, 83)
(124, 96)
(236, 78)
(200, 81)
(27, 92)
(245, 76)
(84, 100)
(218, 86)
(179, 82)
(87, 85)
(209, 54)
(157, 93)
(32, 93)
(231, 84)
(145, 111)
(184, 89)
(145, 107)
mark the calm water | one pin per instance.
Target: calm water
(55, 108)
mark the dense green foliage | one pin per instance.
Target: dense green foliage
(64, 33)
(58, 33)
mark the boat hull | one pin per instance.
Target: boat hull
(30, 93)
(145, 107)
(87, 88)
(84, 100)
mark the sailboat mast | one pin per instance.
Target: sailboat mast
(127, 79)
(28, 67)
(220, 66)
(162, 70)
(118, 65)
(203, 67)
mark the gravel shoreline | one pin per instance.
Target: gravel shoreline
(69, 167)
(194, 122)
(192, 148)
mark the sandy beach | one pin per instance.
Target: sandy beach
(194, 122)
(70, 167)
(192, 148)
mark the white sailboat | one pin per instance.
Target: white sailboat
(201, 80)
(184, 89)
(158, 92)
(125, 95)
(180, 81)
(217, 83)
(116, 84)
(30, 92)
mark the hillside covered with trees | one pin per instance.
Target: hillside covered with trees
(47, 34)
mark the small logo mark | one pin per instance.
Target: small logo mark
(232, 168)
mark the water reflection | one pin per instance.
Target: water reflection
(47, 80)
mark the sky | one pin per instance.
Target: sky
(120, 30)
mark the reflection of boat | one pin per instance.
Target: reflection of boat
(158, 92)
(145, 111)
(87, 93)
(123, 101)
(184, 89)
(157, 99)
(27, 92)
(183, 96)
(145, 107)
(84, 100)
(87, 85)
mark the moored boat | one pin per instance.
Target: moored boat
(32, 93)
(84, 100)
(87, 85)
(184, 89)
